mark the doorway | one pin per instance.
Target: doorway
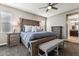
(72, 27)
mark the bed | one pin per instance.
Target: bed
(31, 40)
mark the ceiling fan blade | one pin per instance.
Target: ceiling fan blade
(54, 8)
(47, 10)
(50, 4)
(54, 4)
(43, 7)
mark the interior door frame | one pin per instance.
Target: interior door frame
(67, 22)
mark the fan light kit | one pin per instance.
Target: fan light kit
(50, 6)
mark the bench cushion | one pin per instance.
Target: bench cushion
(50, 45)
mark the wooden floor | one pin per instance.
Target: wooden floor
(73, 39)
(70, 49)
(19, 50)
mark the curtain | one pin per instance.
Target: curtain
(5, 22)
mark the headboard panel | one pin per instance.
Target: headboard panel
(29, 22)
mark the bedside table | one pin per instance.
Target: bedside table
(13, 39)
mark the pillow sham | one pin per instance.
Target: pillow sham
(34, 28)
(27, 28)
(30, 28)
(37, 29)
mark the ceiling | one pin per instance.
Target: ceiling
(34, 8)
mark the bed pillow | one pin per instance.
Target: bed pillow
(34, 28)
(27, 28)
(39, 29)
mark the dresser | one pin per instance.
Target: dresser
(74, 33)
(13, 39)
(57, 30)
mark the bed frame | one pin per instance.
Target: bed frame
(35, 43)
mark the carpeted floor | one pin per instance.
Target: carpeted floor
(70, 49)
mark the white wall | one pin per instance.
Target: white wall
(59, 20)
(16, 14)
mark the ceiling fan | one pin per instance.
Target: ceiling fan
(50, 6)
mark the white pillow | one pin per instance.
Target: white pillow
(34, 28)
(39, 29)
(27, 28)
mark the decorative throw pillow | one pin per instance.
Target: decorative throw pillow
(27, 28)
(34, 29)
(39, 29)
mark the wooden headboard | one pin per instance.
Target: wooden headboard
(29, 22)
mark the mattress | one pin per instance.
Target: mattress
(30, 36)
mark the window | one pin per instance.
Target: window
(5, 22)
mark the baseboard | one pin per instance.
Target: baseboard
(3, 44)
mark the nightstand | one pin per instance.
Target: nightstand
(13, 39)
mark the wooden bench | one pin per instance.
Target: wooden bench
(51, 45)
